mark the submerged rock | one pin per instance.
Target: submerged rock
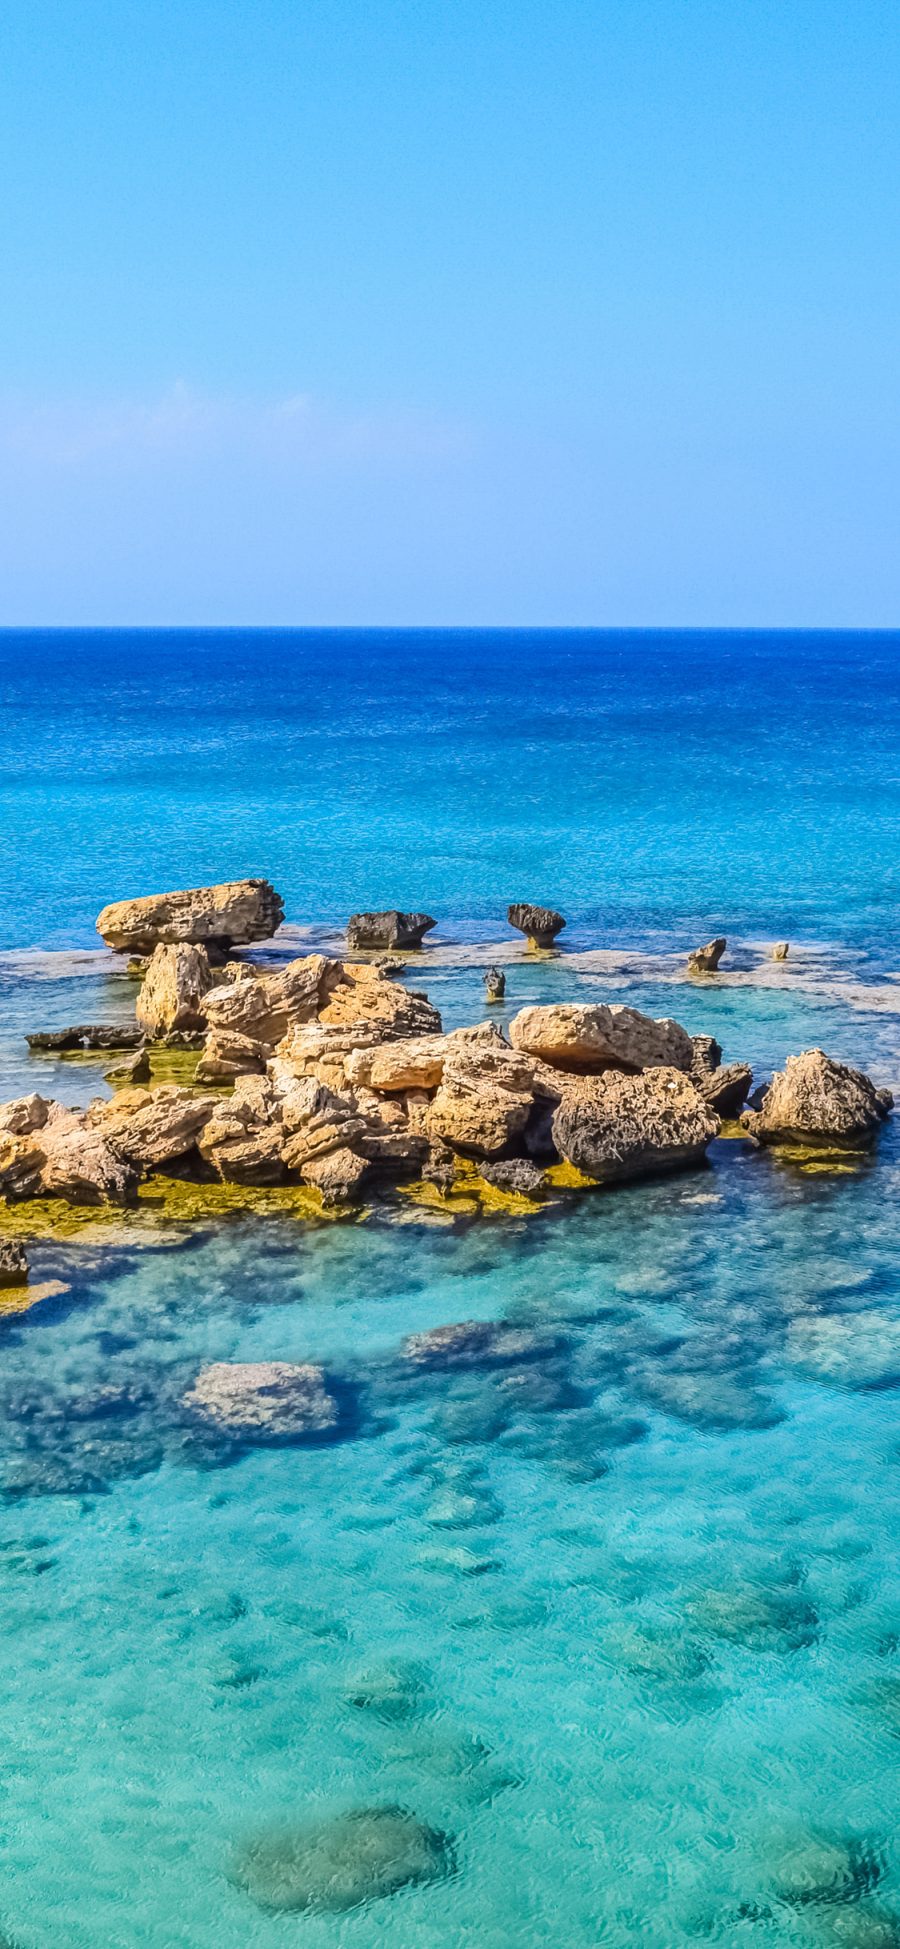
(477, 1343)
(705, 960)
(269, 1400)
(388, 929)
(760, 1617)
(862, 1927)
(227, 915)
(617, 1126)
(173, 990)
(541, 924)
(821, 1870)
(815, 1100)
(334, 1865)
(587, 1038)
(393, 1692)
(855, 1350)
(13, 1262)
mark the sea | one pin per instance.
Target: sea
(610, 1636)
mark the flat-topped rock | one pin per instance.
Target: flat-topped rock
(173, 990)
(619, 1126)
(589, 1037)
(87, 1035)
(540, 924)
(267, 1400)
(388, 929)
(227, 915)
(815, 1100)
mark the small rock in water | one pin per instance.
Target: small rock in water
(781, 950)
(388, 929)
(540, 924)
(392, 1692)
(87, 1035)
(705, 960)
(131, 1069)
(494, 984)
(476, 1343)
(269, 1400)
(820, 1870)
(13, 1262)
(757, 1616)
(517, 1175)
(334, 1865)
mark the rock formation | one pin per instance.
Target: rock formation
(149, 1128)
(588, 1037)
(390, 929)
(621, 1126)
(334, 1865)
(726, 1089)
(270, 1400)
(705, 960)
(814, 1100)
(130, 1069)
(494, 985)
(781, 950)
(220, 917)
(540, 924)
(171, 997)
(13, 1262)
(86, 1035)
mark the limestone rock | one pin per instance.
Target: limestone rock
(707, 1055)
(87, 1035)
(130, 1069)
(25, 1114)
(814, 1100)
(151, 1127)
(705, 960)
(21, 1163)
(617, 1126)
(590, 1037)
(269, 1400)
(494, 984)
(232, 913)
(516, 1174)
(243, 1138)
(320, 1051)
(413, 1063)
(338, 1175)
(484, 1100)
(477, 1343)
(389, 929)
(331, 1866)
(82, 1167)
(173, 990)
(268, 1006)
(541, 924)
(13, 1262)
(361, 994)
(227, 1054)
(781, 950)
(726, 1089)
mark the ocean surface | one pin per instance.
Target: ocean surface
(618, 1625)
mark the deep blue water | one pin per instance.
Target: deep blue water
(624, 1624)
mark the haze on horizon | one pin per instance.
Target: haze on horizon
(561, 312)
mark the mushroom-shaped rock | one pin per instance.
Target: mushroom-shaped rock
(152, 1127)
(815, 1100)
(232, 913)
(540, 924)
(389, 929)
(172, 994)
(13, 1262)
(618, 1126)
(589, 1037)
(705, 960)
(267, 1400)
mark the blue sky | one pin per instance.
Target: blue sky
(561, 311)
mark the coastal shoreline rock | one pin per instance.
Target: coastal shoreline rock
(230, 914)
(817, 1101)
(590, 1037)
(13, 1262)
(618, 1126)
(389, 929)
(173, 990)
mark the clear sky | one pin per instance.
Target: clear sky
(450, 311)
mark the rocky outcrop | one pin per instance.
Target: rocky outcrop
(269, 1400)
(589, 1037)
(540, 924)
(87, 1035)
(517, 1175)
(626, 1126)
(320, 1051)
(363, 996)
(726, 1089)
(814, 1100)
(227, 1054)
(25, 1114)
(323, 1137)
(494, 984)
(265, 1008)
(173, 990)
(243, 1138)
(221, 916)
(78, 1164)
(21, 1163)
(152, 1127)
(131, 1069)
(415, 1063)
(389, 929)
(705, 960)
(13, 1262)
(781, 950)
(484, 1100)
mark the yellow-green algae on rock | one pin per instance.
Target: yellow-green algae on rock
(163, 1201)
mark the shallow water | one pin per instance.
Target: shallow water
(621, 1619)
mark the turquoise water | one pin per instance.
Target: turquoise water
(622, 1622)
